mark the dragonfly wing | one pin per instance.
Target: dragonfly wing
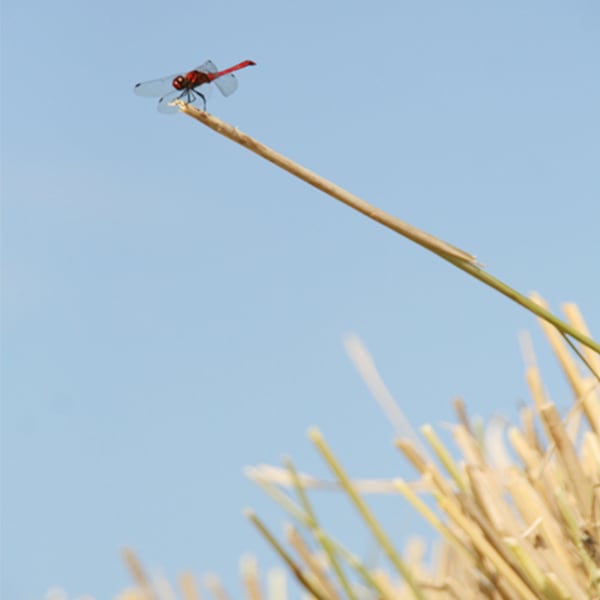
(155, 87)
(164, 103)
(227, 84)
(207, 67)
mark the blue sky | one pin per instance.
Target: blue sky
(173, 307)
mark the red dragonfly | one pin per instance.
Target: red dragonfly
(192, 86)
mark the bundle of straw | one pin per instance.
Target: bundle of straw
(521, 524)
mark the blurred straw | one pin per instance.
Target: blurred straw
(213, 584)
(313, 524)
(369, 518)
(138, 574)
(250, 577)
(518, 515)
(285, 556)
(366, 368)
(188, 586)
(315, 564)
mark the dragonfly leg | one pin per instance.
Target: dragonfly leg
(183, 96)
(203, 98)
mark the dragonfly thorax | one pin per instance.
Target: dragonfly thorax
(195, 78)
(190, 80)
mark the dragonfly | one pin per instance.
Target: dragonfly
(193, 87)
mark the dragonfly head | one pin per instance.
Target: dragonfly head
(179, 82)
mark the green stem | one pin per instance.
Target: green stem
(523, 300)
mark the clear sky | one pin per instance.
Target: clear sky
(173, 307)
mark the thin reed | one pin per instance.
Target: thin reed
(459, 258)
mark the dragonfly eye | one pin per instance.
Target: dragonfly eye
(178, 82)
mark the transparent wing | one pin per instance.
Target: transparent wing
(164, 105)
(207, 67)
(155, 87)
(227, 84)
